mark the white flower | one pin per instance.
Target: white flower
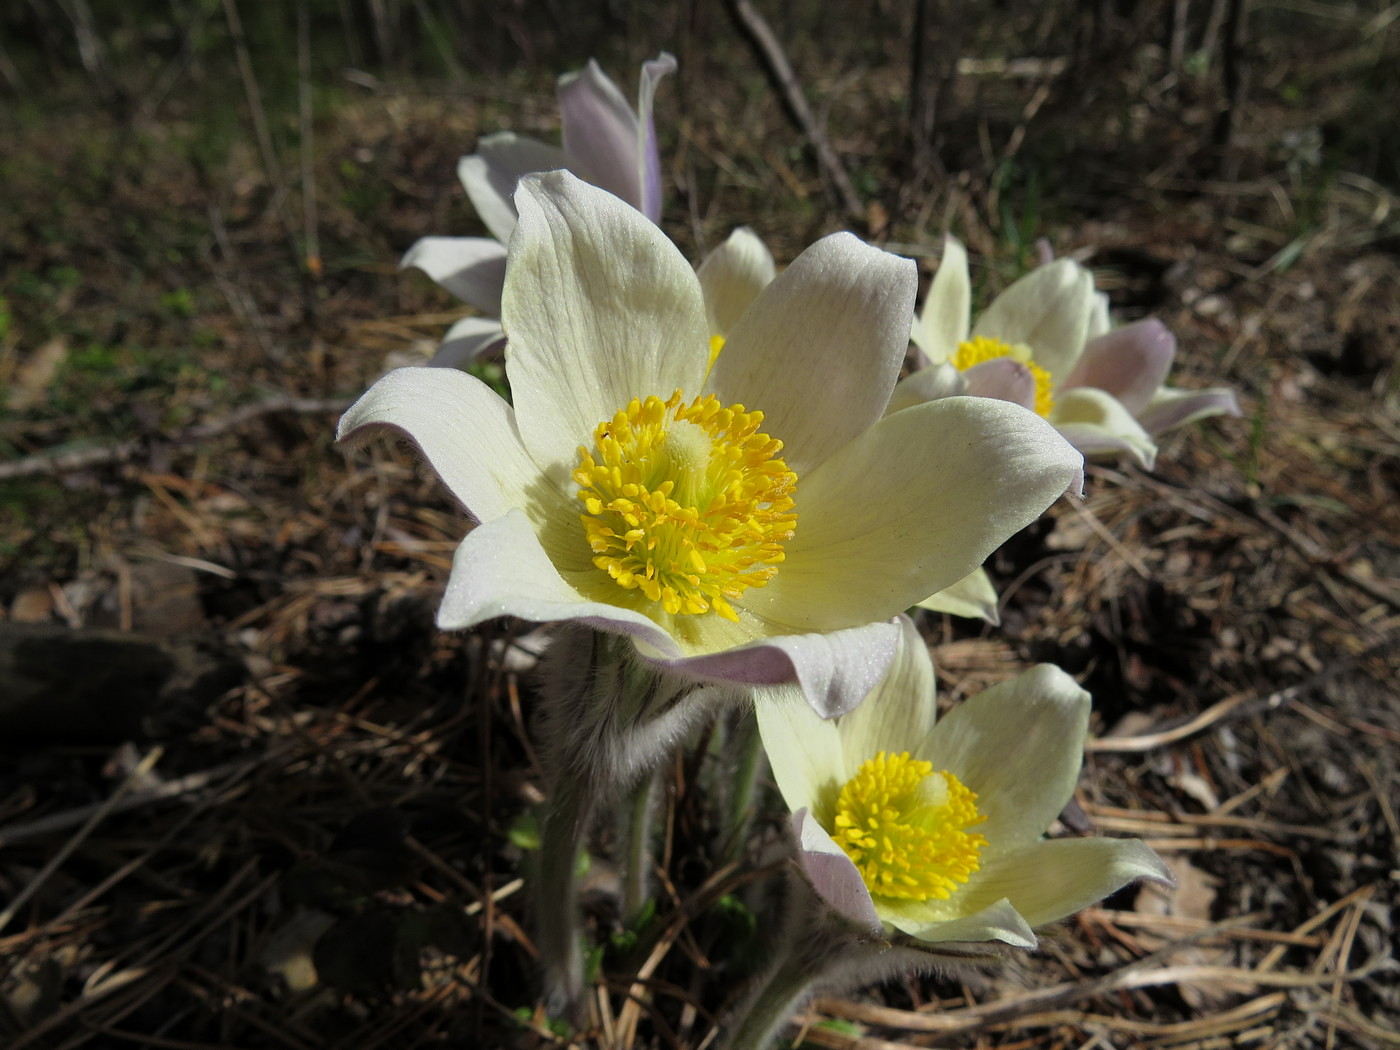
(1046, 343)
(636, 489)
(605, 142)
(935, 828)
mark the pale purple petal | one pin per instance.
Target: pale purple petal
(600, 133)
(835, 669)
(1131, 363)
(652, 72)
(832, 874)
(819, 351)
(471, 268)
(489, 176)
(1173, 408)
(467, 340)
(1003, 378)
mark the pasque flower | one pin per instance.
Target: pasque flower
(1046, 343)
(606, 142)
(755, 521)
(934, 828)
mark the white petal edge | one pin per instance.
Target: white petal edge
(1019, 746)
(832, 874)
(462, 427)
(489, 176)
(599, 308)
(820, 349)
(947, 314)
(804, 750)
(998, 921)
(973, 597)
(652, 72)
(912, 506)
(467, 340)
(731, 277)
(471, 268)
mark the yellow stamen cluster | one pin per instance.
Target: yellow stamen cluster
(903, 825)
(688, 504)
(975, 351)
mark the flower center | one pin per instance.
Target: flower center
(687, 504)
(903, 825)
(976, 350)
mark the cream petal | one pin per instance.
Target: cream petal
(912, 506)
(1047, 881)
(927, 384)
(1174, 408)
(468, 339)
(1099, 322)
(973, 597)
(1019, 746)
(731, 277)
(834, 669)
(489, 176)
(1004, 379)
(500, 569)
(462, 427)
(600, 308)
(804, 750)
(471, 268)
(998, 921)
(898, 713)
(600, 132)
(832, 874)
(1048, 310)
(819, 351)
(1131, 363)
(652, 72)
(947, 307)
(1094, 422)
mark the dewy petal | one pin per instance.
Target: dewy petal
(1174, 408)
(600, 308)
(468, 339)
(1048, 310)
(819, 351)
(489, 176)
(912, 506)
(927, 384)
(731, 277)
(652, 72)
(1094, 422)
(1131, 363)
(1004, 379)
(947, 307)
(832, 874)
(998, 921)
(1047, 881)
(600, 132)
(1019, 745)
(462, 427)
(834, 669)
(898, 713)
(804, 750)
(471, 268)
(973, 596)
(500, 569)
